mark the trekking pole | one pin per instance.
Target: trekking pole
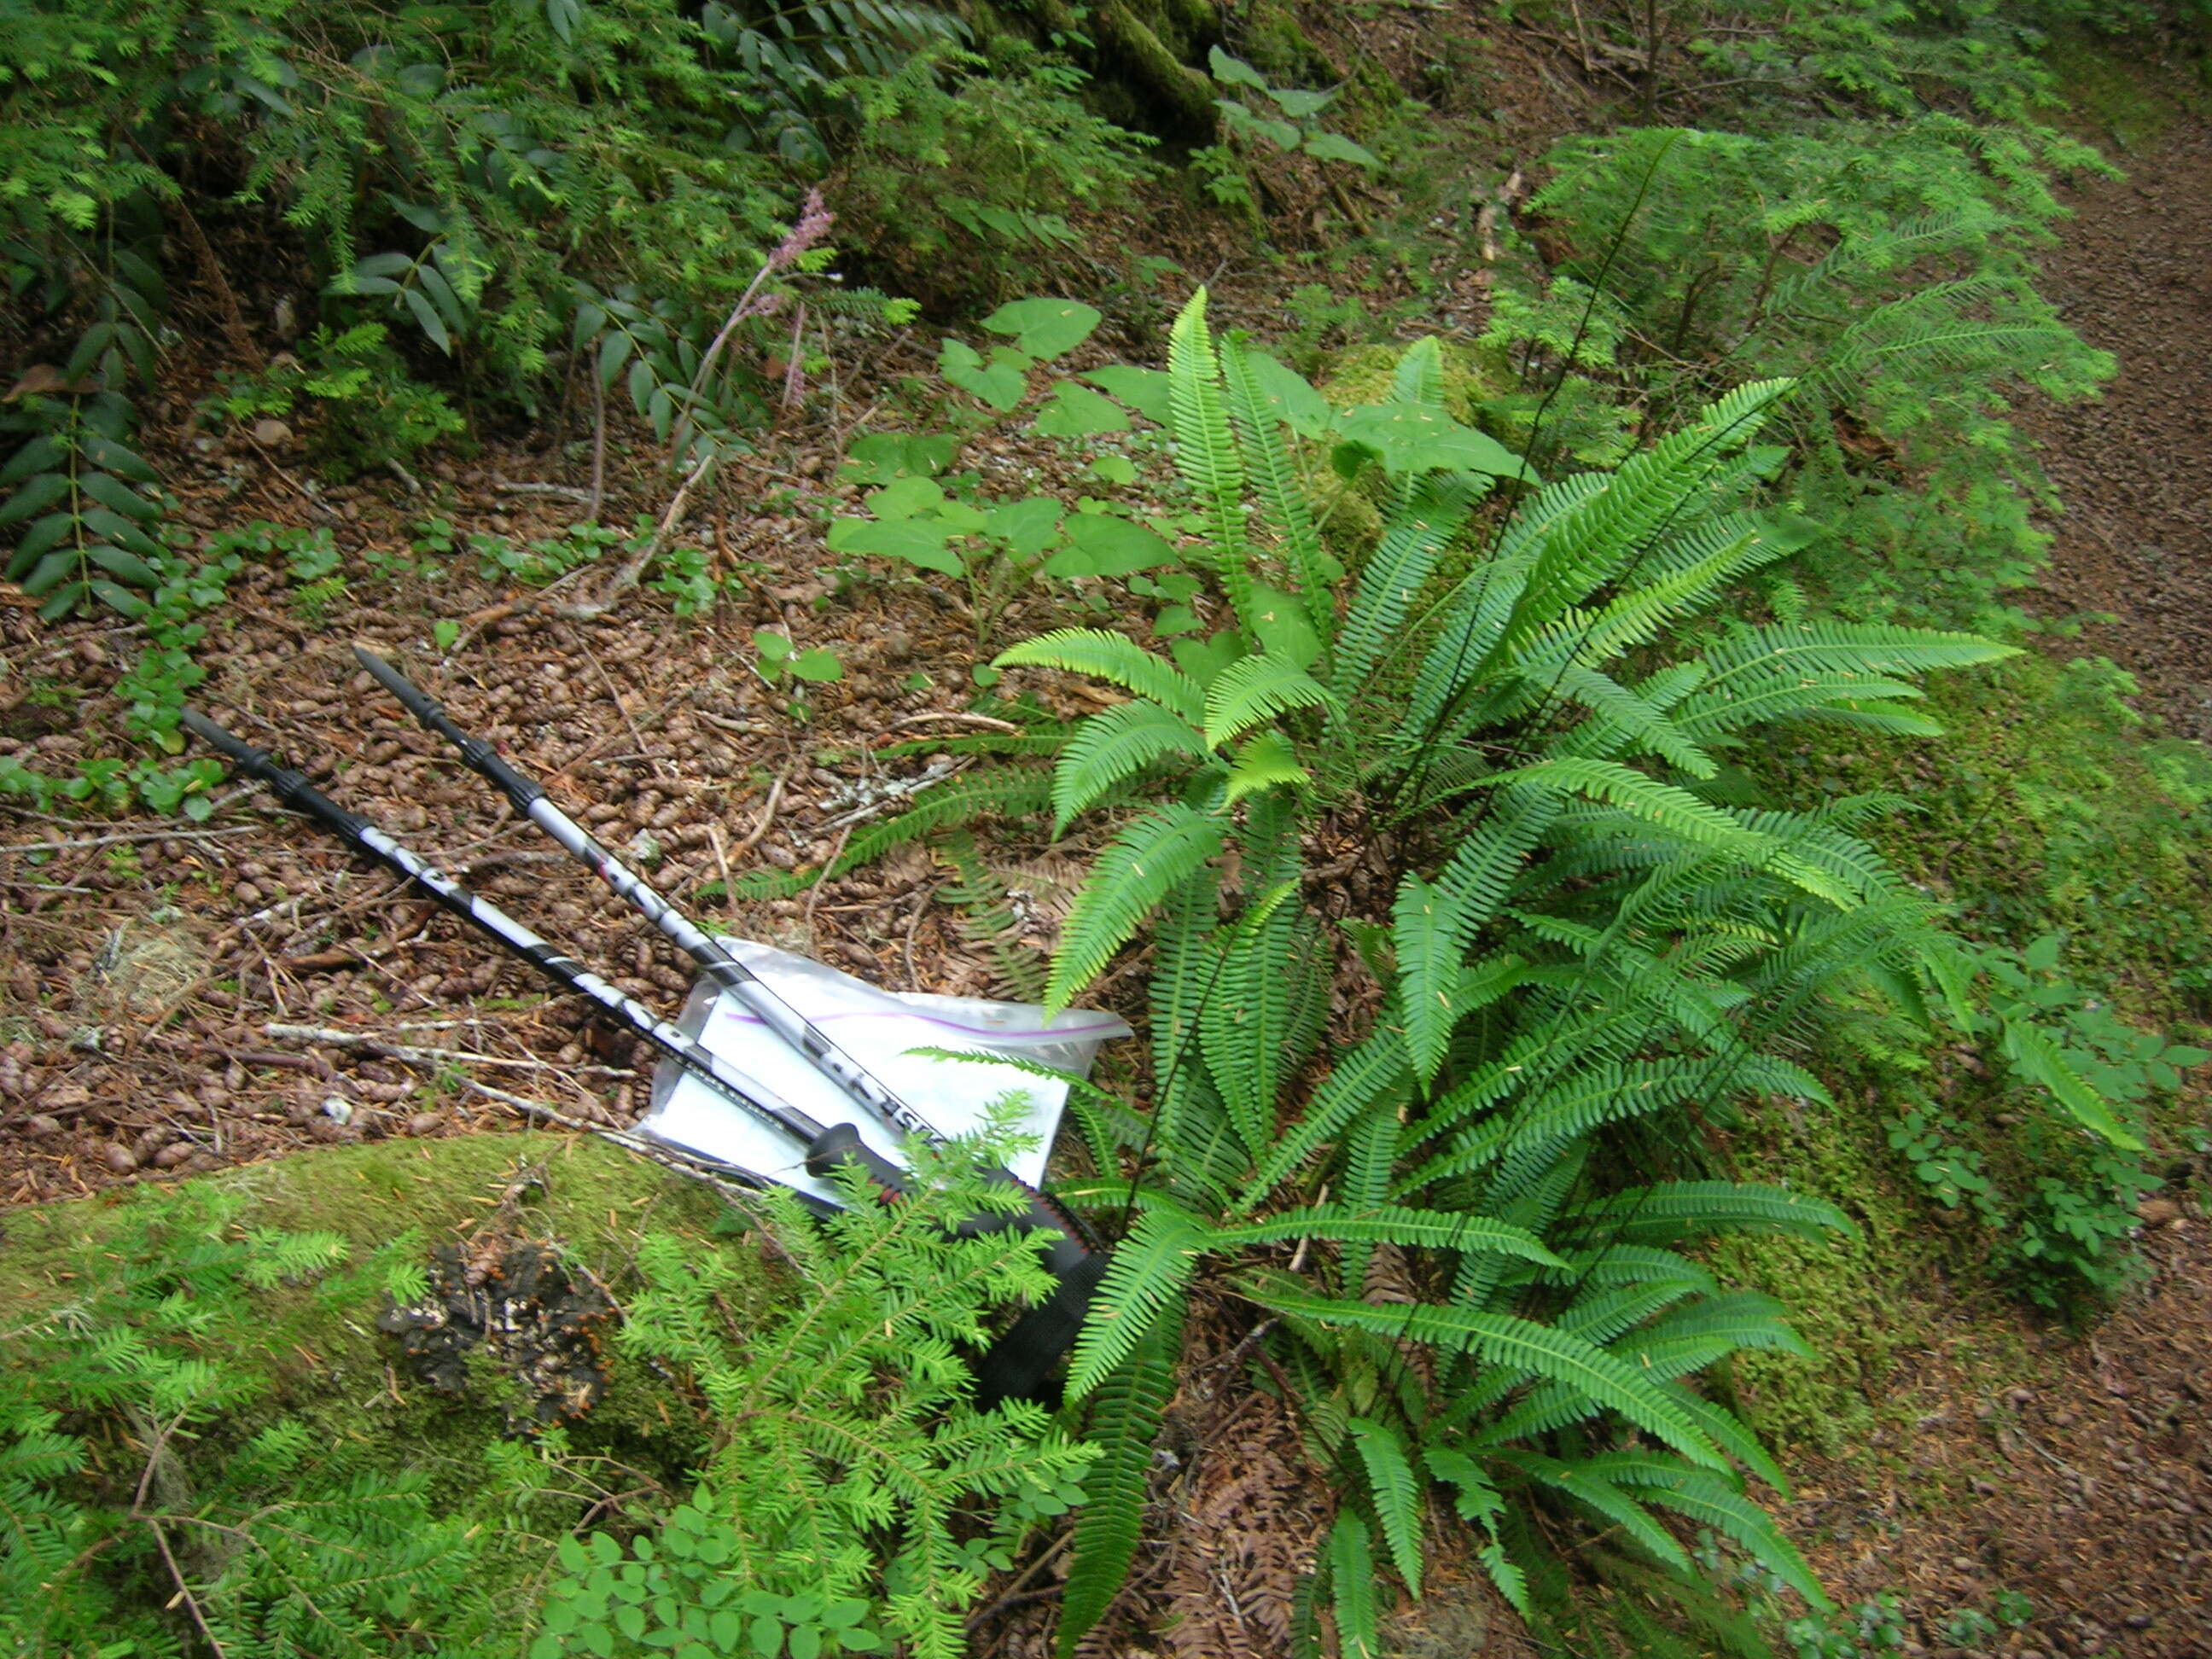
(862, 1086)
(529, 799)
(821, 1149)
(1014, 1367)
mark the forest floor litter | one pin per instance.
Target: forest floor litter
(178, 998)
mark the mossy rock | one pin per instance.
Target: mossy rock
(1275, 45)
(1363, 374)
(313, 1350)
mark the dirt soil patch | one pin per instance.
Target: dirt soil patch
(2085, 1485)
(2133, 276)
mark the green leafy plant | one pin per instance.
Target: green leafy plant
(1585, 943)
(777, 659)
(363, 409)
(993, 545)
(1869, 1631)
(1860, 259)
(1566, 959)
(1286, 122)
(262, 1543)
(550, 557)
(840, 1425)
(80, 494)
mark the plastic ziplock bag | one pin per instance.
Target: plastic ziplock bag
(878, 1028)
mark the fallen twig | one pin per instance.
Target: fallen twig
(768, 813)
(960, 716)
(143, 835)
(565, 492)
(414, 1054)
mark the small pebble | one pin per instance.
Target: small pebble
(426, 1124)
(120, 1159)
(176, 1152)
(40, 1125)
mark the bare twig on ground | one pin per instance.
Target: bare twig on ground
(413, 1054)
(135, 836)
(768, 813)
(960, 717)
(565, 492)
(829, 869)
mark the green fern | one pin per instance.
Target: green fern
(1110, 657)
(1112, 748)
(1207, 455)
(1126, 1410)
(1396, 1494)
(1350, 1556)
(1253, 691)
(1150, 1270)
(1146, 862)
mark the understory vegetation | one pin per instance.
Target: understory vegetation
(1621, 883)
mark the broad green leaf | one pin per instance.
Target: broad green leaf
(1144, 390)
(1107, 545)
(1045, 328)
(1291, 395)
(44, 453)
(43, 535)
(905, 498)
(1300, 106)
(1335, 147)
(1415, 438)
(35, 497)
(1077, 412)
(121, 599)
(1001, 383)
(117, 562)
(918, 541)
(882, 456)
(427, 317)
(50, 571)
(1026, 527)
(58, 605)
(1204, 659)
(114, 527)
(1234, 71)
(1279, 623)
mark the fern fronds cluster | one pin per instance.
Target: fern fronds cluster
(1886, 263)
(1593, 951)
